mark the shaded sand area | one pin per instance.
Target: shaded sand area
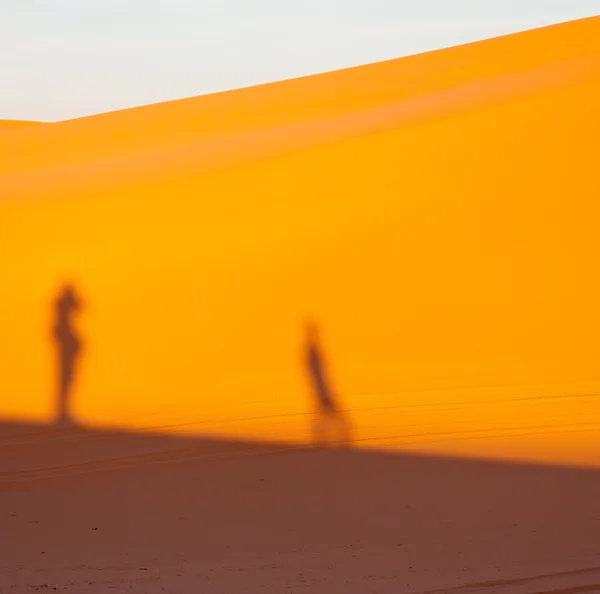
(93, 511)
(435, 217)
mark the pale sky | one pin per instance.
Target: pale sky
(61, 59)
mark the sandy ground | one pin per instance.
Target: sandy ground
(86, 511)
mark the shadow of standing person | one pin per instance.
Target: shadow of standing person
(330, 425)
(68, 350)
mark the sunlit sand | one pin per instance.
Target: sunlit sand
(436, 214)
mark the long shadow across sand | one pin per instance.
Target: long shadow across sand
(107, 508)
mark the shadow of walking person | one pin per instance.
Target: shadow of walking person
(68, 350)
(330, 424)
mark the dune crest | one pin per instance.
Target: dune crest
(422, 86)
(16, 124)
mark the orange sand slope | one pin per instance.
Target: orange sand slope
(436, 214)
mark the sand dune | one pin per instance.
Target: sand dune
(435, 84)
(436, 215)
(301, 113)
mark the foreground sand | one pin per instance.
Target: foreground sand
(85, 511)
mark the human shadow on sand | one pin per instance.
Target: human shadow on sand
(68, 350)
